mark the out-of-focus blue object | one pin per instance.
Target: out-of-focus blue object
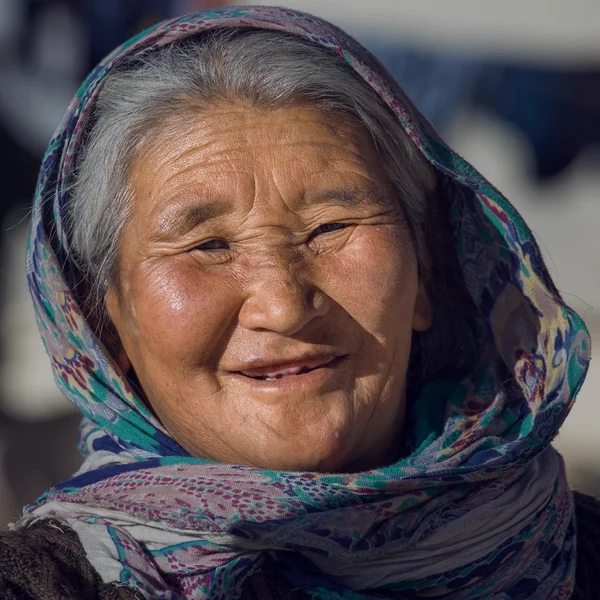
(557, 110)
(110, 22)
(438, 85)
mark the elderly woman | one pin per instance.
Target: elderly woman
(318, 355)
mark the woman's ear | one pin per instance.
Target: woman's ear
(423, 312)
(113, 340)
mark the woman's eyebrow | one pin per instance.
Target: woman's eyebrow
(350, 197)
(181, 219)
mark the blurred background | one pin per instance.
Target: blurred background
(514, 86)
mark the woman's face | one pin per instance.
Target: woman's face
(267, 290)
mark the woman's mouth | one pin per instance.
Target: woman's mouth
(275, 372)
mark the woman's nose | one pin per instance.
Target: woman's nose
(282, 299)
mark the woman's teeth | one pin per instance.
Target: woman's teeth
(281, 375)
(275, 373)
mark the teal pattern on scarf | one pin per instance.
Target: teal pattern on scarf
(173, 526)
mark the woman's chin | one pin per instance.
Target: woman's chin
(325, 456)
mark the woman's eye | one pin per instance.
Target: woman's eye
(328, 228)
(213, 245)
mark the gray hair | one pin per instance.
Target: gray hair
(257, 67)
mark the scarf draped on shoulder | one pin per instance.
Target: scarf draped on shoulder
(481, 509)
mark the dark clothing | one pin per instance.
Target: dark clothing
(46, 561)
(587, 574)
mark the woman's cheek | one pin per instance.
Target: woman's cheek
(182, 308)
(374, 277)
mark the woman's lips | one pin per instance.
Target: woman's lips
(277, 371)
(325, 376)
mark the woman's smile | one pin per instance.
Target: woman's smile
(276, 382)
(276, 368)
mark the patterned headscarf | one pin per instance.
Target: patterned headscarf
(481, 507)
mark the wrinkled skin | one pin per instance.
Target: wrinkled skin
(260, 237)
